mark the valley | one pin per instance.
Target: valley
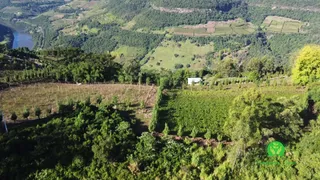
(159, 89)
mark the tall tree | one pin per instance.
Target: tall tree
(307, 65)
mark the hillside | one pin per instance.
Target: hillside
(136, 29)
(252, 113)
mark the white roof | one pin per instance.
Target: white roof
(196, 80)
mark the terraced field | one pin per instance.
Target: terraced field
(279, 24)
(237, 26)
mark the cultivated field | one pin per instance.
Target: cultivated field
(169, 53)
(209, 108)
(48, 95)
(237, 26)
(282, 25)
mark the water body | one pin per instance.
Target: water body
(22, 39)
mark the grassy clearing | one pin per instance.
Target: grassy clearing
(209, 108)
(48, 95)
(282, 25)
(127, 53)
(170, 53)
(86, 29)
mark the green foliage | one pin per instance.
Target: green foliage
(208, 134)
(166, 130)
(180, 131)
(307, 153)
(37, 112)
(26, 113)
(307, 66)
(252, 117)
(194, 132)
(99, 99)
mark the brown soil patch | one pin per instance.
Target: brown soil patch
(46, 95)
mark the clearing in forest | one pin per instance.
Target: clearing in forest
(208, 109)
(237, 26)
(170, 53)
(125, 53)
(47, 95)
(282, 25)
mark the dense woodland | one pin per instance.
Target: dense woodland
(6, 35)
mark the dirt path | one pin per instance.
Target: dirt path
(278, 6)
(176, 10)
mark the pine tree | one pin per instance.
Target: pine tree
(166, 130)
(194, 132)
(180, 130)
(13, 116)
(26, 113)
(208, 134)
(37, 112)
(99, 99)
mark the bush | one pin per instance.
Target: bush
(37, 112)
(26, 113)
(178, 66)
(13, 116)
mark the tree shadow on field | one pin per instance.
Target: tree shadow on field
(138, 126)
(165, 114)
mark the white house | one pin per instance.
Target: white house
(194, 80)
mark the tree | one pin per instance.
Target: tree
(194, 132)
(13, 116)
(307, 65)
(180, 130)
(37, 112)
(208, 134)
(166, 129)
(307, 154)
(131, 70)
(246, 114)
(99, 99)
(26, 113)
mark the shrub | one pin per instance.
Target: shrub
(26, 113)
(37, 112)
(13, 116)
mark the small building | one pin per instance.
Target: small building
(194, 80)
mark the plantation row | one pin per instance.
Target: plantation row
(190, 112)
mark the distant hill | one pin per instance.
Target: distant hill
(141, 29)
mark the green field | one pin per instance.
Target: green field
(221, 28)
(209, 108)
(164, 55)
(282, 25)
(127, 53)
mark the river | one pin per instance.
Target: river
(22, 39)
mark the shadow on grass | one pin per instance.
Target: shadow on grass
(138, 126)
(165, 113)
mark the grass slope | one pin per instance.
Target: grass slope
(165, 55)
